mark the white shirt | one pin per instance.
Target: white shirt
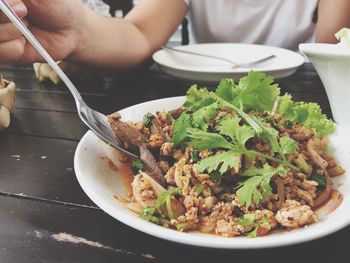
(282, 23)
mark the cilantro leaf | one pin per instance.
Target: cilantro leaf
(257, 186)
(202, 140)
(288, 145)
(180, 127)
(238, 134)
(270, 134)
(197, 98)
(225, 89)
(224, 160)
(285, 106)
(201, 117)
(256, 91)
(243, 134)
(228, 126)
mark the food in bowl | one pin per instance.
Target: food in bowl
(241, 160)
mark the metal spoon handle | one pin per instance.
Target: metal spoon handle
(198, 54)
(233, 63)
(6, 9)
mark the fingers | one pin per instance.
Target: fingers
(12, 51)
(18, 7)
(12, 42)
(9, 31)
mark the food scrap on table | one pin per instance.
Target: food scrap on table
(7, 101)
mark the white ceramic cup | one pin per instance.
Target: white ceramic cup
(332, 63)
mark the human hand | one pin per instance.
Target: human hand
(55, 23)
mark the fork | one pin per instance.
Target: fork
(234, 64)
(96, 121)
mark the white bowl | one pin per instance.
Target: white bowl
(332, 63)
(101, 182)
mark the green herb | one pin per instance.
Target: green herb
(253, 233)
(215, 176)
(164, 199)
(262, 223)
(155, 213)
(240, 112)
(246, 220)
(257, 187)
(320, 179)
(238, 134)
(194, 155)
(306, 114)
(180, 127)
(272, 135)
(197, 98)
(301, 163)
(199, 189)
(256, 91)
(201, 140)
(288, 145)
(201, 117)
(315, 120)
(147, 120)
(285, 105)
(151, 214)
(226, 89)
(221, 162)
(182, 226)
(136, 166)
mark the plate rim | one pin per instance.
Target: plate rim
(209, 241)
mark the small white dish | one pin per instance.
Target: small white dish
(100, 176)
(332, 63)
(196, 68)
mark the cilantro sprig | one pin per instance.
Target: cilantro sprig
(155, 214)
(257, 186)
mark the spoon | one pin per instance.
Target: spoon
(96, 121)
(234, 64)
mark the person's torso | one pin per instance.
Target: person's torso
(283, 23)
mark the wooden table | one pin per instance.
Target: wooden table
(43, 210)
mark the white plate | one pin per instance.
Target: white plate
(196, 68)
(101, 183)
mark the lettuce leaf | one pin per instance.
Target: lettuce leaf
(306, 114)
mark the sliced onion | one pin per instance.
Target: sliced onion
(157, 188)
(334, 202)
(325, 195)
(178, 177)
(311, 147)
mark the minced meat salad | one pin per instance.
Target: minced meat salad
(241, 160)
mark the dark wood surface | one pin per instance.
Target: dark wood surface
(40, 197)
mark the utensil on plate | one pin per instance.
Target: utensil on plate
(96, 121)
(234, 64)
